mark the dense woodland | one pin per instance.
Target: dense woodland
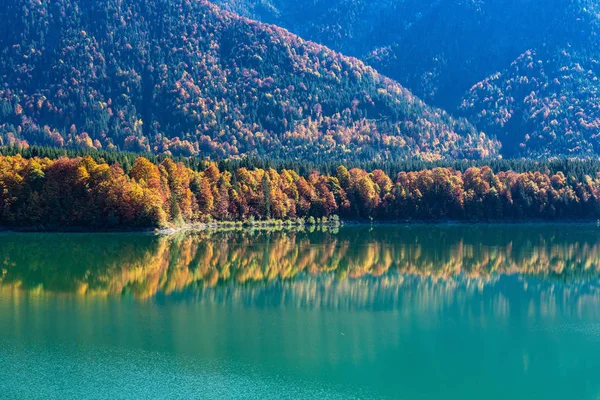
(146, 113)
(542, 105)
(525, 72)
(437, 48)
(80, 192)
(569, 166)
(182, 77)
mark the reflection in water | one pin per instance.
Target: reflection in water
(422, 312)
(305, 266)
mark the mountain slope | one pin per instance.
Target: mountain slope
(185, 77)
(522, 70)
(437, 48)
(547, 102)
(542, 105)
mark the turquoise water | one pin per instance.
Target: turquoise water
(426, 312)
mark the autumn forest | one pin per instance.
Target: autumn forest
(80, 192)
(155, 113)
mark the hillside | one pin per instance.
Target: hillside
(472, 58)
(186, 78)
(542, 105)
(437, 48)
(547, 101)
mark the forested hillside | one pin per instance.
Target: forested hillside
(183, 77)
(546, 103)
(437, 48)
(524, 71)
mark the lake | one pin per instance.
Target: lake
(385, 312)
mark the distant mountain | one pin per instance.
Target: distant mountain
(544, 104)
(547, 101)
(186, 78)
(522, 70)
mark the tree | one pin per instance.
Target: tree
(267, 196)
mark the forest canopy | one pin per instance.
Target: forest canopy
(72, 193)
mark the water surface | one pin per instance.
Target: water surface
(416, 312)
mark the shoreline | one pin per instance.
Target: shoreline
(284, 225)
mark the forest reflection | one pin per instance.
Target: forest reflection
(362, 260)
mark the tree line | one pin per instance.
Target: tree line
(82, 192)
(578, 168)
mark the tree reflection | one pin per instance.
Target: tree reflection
(144, 265)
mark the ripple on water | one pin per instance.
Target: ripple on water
(73, 372)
